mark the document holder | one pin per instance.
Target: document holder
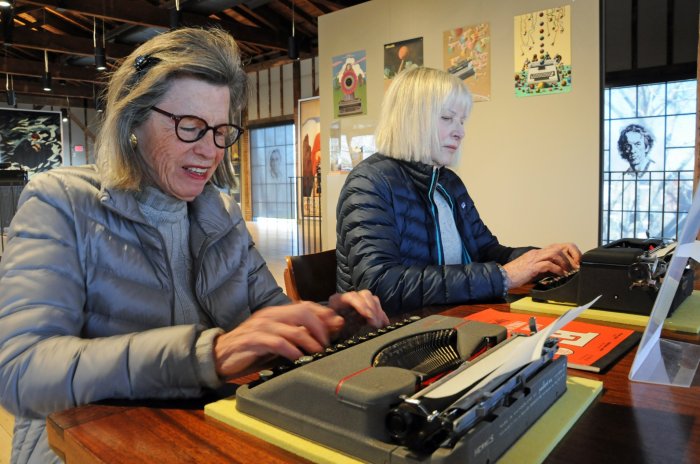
(659, 360)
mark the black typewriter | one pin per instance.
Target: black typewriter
(627, 273)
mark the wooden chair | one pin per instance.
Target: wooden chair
(310, 277)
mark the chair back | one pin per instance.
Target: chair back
(310, 277)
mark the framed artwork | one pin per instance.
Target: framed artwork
(309, 154)
(31, 140)
(542, 52)
(466, 54)
(350, 84)
(399, 56)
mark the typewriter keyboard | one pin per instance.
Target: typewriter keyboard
(286, 365)
(550, 282)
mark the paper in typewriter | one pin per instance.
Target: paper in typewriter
(513, 355)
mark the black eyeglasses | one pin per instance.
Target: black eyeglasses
(192, 128)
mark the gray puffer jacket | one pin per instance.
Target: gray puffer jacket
(86, 300)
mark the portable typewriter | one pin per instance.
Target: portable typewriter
(627, 273)
(414, 392)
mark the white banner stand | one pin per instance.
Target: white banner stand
(659, 360)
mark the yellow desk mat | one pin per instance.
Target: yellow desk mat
(532, 447)
(686, 318)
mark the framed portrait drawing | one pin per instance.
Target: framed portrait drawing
(309, 155)
(31, 140)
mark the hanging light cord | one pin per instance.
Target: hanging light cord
(292, 18)
(177, 5)
(46, 61)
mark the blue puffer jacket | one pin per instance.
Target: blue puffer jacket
(387, 238)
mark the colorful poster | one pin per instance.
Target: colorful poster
(350, 84)
(30, 140)
(542, 52)
(466, 54)
(399, 56)
(310, 154)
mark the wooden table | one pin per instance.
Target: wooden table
(630, 423)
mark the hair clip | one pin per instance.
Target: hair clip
(144, 62)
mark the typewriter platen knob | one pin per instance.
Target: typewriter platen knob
(399, 423)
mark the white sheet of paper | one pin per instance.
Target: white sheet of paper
(512, 356)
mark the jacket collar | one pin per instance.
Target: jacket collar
(420, 173)
(207, 209)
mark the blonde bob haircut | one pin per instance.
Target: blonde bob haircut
(142, 81)
(407, 127)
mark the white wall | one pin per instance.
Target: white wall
(531, 164)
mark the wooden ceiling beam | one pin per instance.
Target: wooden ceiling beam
(143, 14)
(36, 69)
(63, 44)
(66, 91)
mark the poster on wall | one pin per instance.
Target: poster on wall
(466, 54)
(30, 140)
(309, 155)
(400, 56)
(350, 84)
(542, 52)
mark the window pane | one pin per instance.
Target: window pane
(272, 172)
(648, 160)
(652, 100)
(623, 102)
(680, 159)
(680, 131)
(682, 97)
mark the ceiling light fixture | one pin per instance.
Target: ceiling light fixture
(292, 45)
(10, 89)
(46, 78)
(175, 16)
(5, 4)
(99, 105)
(100, 58)
(64, 115)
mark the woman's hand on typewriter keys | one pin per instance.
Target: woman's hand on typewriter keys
(557, 259)
(362, 303)
(289, 331)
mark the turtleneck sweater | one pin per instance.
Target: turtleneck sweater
(169, 215)
(449, 236)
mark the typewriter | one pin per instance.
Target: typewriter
(627, 273)
(411, 393)
(543, 71)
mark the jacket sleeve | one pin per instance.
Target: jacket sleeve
(45, 365)
(370, 226)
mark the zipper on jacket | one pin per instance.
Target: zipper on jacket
(431, 200)
(466, 259)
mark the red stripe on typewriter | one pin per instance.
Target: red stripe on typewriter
(340, 383)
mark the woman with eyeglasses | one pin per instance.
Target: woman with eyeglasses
(407, 229)
(136, 277)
